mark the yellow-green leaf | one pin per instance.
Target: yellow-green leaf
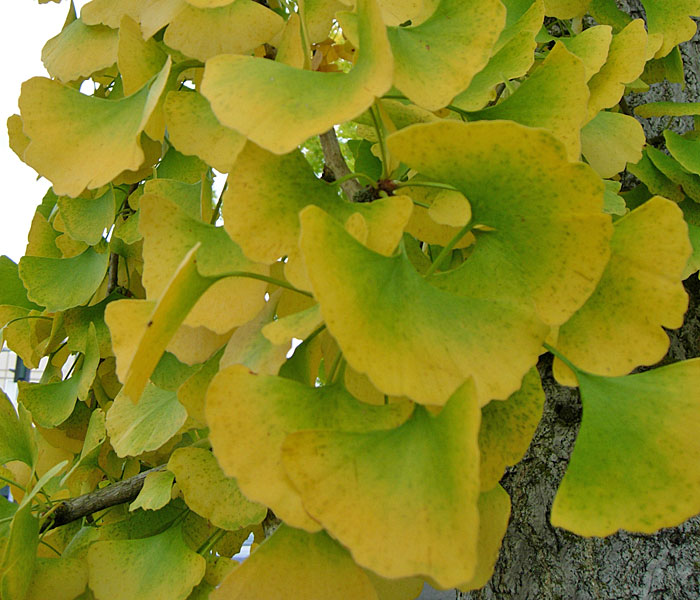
(86, 219)
(591, 46)
(566, 9)
(636, 462)
(611, 140)
(16, 435)
(298, 103)
(139, 60)
(58, 579)
(156, 491)
(671, 19)
(18, 558)
(111, 12)
(161, 567)
(80, 141)
(211, 494)
(375, 492)
(621, 325)
(262, 410)
(308, 565)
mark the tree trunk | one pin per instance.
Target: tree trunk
(538, 561)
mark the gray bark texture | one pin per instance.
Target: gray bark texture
(540, 562)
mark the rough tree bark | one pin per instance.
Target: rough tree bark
(538, 561)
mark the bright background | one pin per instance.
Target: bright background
(24, 29)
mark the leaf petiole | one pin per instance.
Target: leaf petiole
(447, 249)
(561, 357)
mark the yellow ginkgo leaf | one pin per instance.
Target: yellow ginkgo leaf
(438, 58)
(79, 51)
(565, 9)
(211, 494)
(507, 428)
(554, 97)
(262, 410)
(318, 17)
(58, 579)
(111, 12)
(626, 59)
(266, 192)
(375, 491)
(591, 46)
(154, 16)
(621, 325)
(635, 465)
(236, 28)
(381, 311)
(546, 238)
(672, 20)
(160, 567)
(299, 325)
(298, 103)
(308, 565)
(138, 59)
(513, 54)
(611, 140)
(193, 129)
(89, 150)
(156, 491)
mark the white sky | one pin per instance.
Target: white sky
(24, 29)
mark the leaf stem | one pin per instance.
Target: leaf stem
(379, 127)
(12, 482)
(334, 367)
(211, 541)
(561, 357)
(272, 280)
(28, 317)
(447, 249)
(217, 208)
(350, 176)
(452, 107)
(427, 184)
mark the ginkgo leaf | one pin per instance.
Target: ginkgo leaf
(507, 429)
(161, 567)
(554, 97)
(168, 236)
(16, 435)
(58, 579)
(626, 59)
(298, 103)
(110, 12)
(640, 293)
(494, 512)
(236, 28)
(147, 425)
(671, 19)
(266, 192)
(52, 403)
(139, 60)
(89, 150)
(375, 492)
(193, 129)
(513, 53)
(614, 204)
(611, 140)
(553, 232)
(671, 168)
(635, 462)
(298, 325)
(684, 150)
(142, 329)
(655, 180)
(16, 136)
(313, 565)
(438, 58)
(591, 46)
(318, 18)
(671, 109)
(195, 345)
(380, 311)
(62, 283)
(187, 196)
(211, 494)
(12, 290)
(17, 561)
(156, 491)
(192, 392)
(77, 322)
(86, 219)
(79, 51)
(262, 410)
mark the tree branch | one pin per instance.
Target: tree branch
(334, 160)
(82, 506)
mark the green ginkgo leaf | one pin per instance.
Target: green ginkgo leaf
(161, 567)
(52, 403)
(671, 168)
(671, 19)
(566, 9)
(635, 462)
(297, 103)
(236, 28)
(622, 324)
(381, 311)
(375, 492)
(671, 109)
(86, 219)
(58, 579)
(549, 241)
(16, 434)
(507, 429)
(262, 410)
(156, 491)
(17, 561)
(79, 51)
(80, 141)
(313, 565)
(266, 192)
(513, 53)
(62, 283)
(554, 97)
(77, 322)
(655, 180)
(193, 129)
(611, 140)
(12, 290)
(147, 425)
(685, 149)
(211, 494)
(438, 58)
